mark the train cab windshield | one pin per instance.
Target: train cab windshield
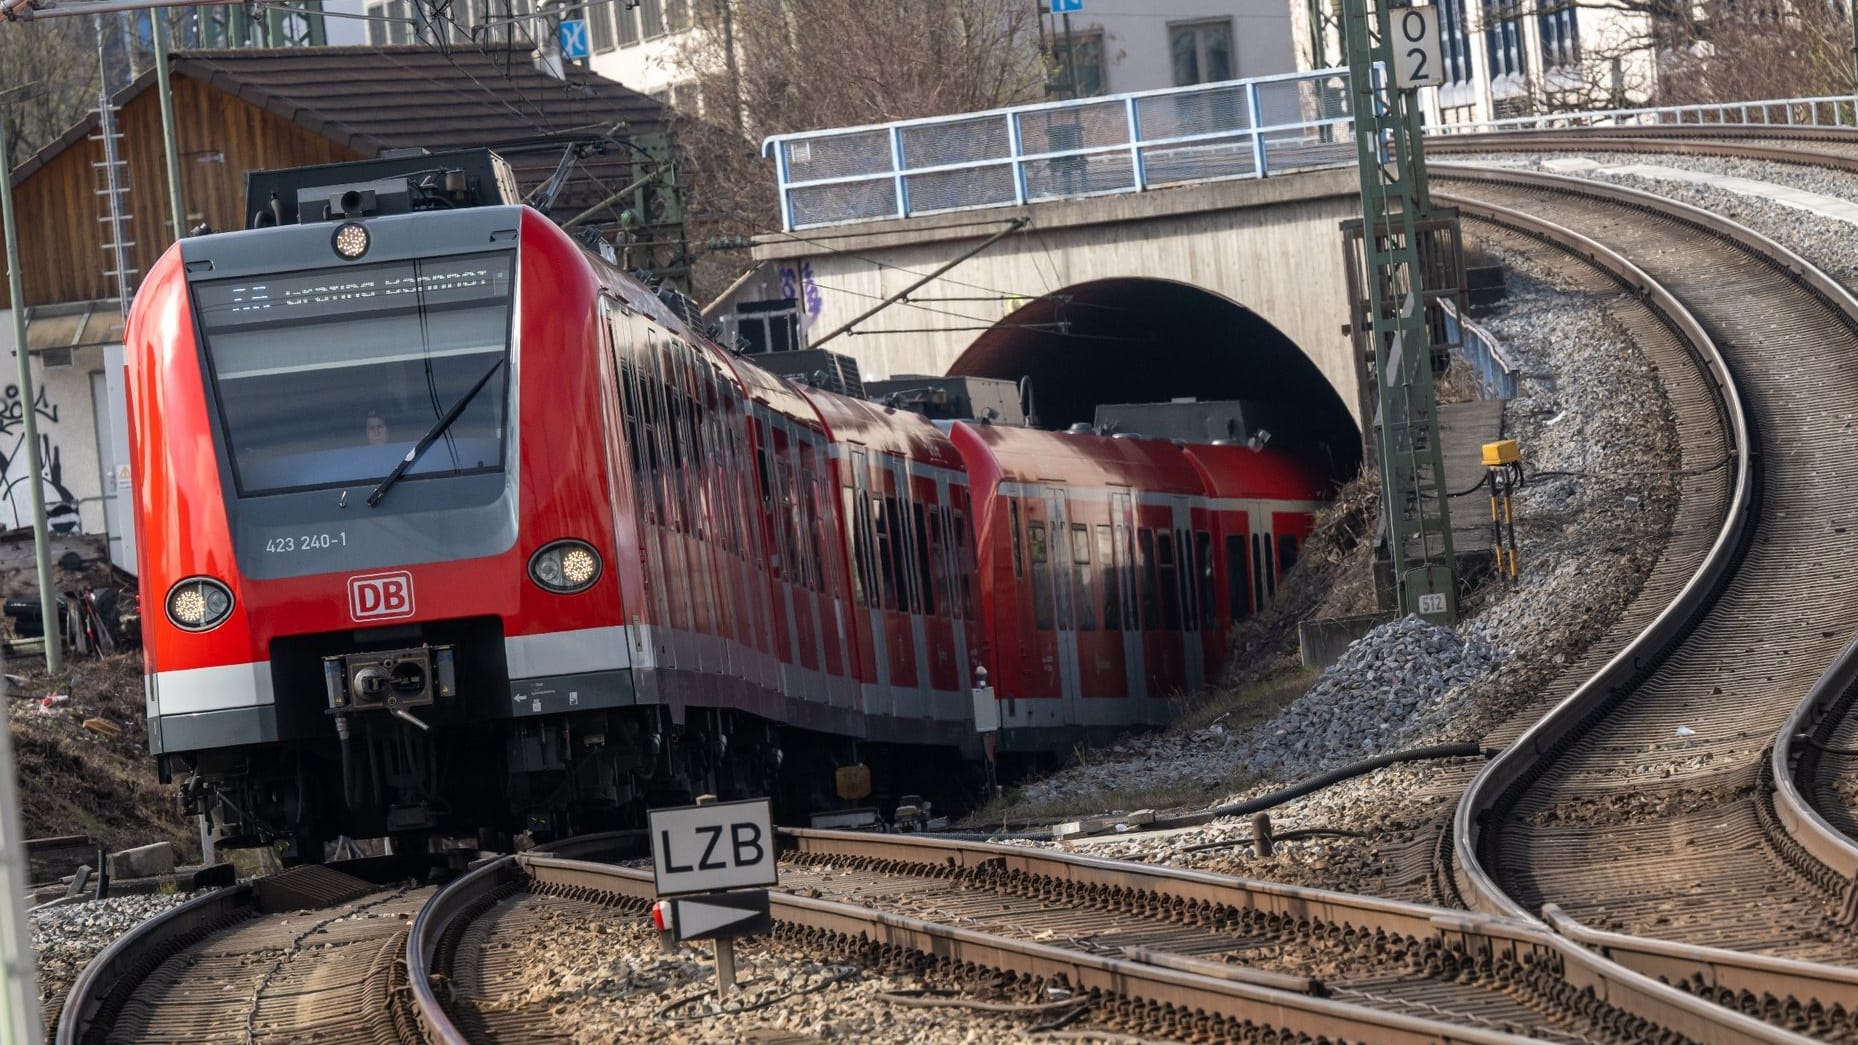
(329, 377)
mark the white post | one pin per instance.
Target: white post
(19, 991)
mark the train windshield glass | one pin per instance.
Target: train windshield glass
(328, 378)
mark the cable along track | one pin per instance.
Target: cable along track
(1152, 951)
(1645, 803)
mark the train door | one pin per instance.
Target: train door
(1122, 551)
(1099, 645)
(1036, 629)
(863, 517)
(620, 421)
(653, 542)
(905, 624)
(1187, 577)
(1064, 613)
(946, 655)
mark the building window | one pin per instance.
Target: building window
(677, 15)
(628, 24)
(1077, 65)
(768, 326)
(377, 27)
(1561, 42)
(398, 30)
(1455, 42)
(651, 17)
(1503, 38)
(1202, 52)
(599, 17)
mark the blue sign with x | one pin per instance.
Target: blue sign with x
(574, 38)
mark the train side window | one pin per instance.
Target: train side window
(1080, 577)
(927, 581)
(1270, 569)
(1238, 578)
(1126, 567)
(1019, 567)
(886, 565)
(1041, 574)
(1258, 573)
(860, 583)
(1203, 565)
(899, 555)
(1190, 610)
(1108, 568)
(964, 565)
(1168, 582)
(1286, 552)
(1151, 605)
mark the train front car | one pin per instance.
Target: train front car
(358, 567)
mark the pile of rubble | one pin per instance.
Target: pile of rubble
(1403, 684)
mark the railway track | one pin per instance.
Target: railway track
(1147, 951)
(1648, 802)
(1813, 763)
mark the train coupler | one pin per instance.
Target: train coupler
(392, 681)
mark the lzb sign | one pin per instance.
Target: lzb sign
(697, 849)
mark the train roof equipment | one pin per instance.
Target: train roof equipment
(398, 184)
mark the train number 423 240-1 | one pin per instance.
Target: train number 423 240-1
(305, 542)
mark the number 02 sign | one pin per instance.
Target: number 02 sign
(1417, 61)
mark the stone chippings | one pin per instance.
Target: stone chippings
(66, 938)
(1401, 685)
(603, 981)
(1589, 405)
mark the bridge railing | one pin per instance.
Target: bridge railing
(1090, 146)
(1825, 111)
(1483, 353)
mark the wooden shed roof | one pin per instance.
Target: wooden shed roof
(374, 98)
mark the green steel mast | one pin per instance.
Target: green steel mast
(1397, 210)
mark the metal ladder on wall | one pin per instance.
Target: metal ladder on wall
(113, 183)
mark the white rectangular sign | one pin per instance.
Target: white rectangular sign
(701, 849)
(1417, 59)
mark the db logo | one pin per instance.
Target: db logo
(378, 596)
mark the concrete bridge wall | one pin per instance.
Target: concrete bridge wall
(1272, 246)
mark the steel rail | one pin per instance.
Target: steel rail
(1835, 854)
(1724, 972)
(1503, 777)
(1621, 984)
(1794, 758)
(1121, 977)
(105, 984)
(1148, 976)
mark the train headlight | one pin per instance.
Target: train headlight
(565, 567)
(198, 604)
(351, 240)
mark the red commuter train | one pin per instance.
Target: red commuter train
(451, 525)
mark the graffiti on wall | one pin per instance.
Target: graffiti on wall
(800, 286)
(15, 474)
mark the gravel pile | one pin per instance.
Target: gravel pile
(1398, 686)
(67, 937)
(612, 982)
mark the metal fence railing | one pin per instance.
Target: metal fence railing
(1120, 143)
(1480, 350)
(1832, 111)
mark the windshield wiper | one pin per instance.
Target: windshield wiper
(433, 433)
